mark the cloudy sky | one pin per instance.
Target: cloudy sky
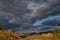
(29, 13)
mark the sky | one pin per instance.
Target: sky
(29, 13)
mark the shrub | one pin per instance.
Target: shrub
(25, 35)
(1, 26)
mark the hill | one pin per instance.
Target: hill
(10, 35)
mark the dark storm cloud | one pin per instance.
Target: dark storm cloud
(44, 9)
(25, 12)
(51, 23)
(47, 20)
(13, 9)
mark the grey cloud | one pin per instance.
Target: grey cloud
(43, 9)
(52, 23)
(16, 8)
(24, 12)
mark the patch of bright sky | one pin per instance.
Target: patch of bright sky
(39, 22)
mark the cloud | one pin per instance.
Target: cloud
(30, 13)
(34, 7)
(52, 21)
(26, 12)
(12, 21)
(47, 20)
(41, 10)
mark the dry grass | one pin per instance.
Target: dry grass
(53, 35)
(9, 35)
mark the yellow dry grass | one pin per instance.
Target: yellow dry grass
(10, 35)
